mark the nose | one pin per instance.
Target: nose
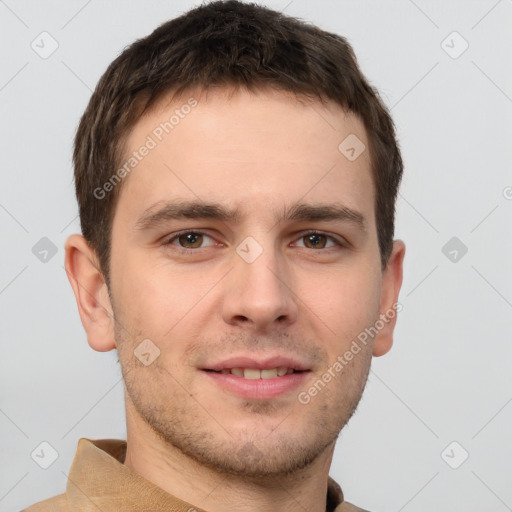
(259, 294)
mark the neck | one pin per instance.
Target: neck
(201, 486)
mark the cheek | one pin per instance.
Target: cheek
(144, 300)
(162, 301)
(147, 285)
(345, 302)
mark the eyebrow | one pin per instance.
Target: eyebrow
(164, 211)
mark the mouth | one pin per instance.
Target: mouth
(256, 373)
(258, 380)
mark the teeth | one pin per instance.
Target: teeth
(254, 373)
(250, 373)
(269, 374)
(281, 371)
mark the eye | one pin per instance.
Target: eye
(189, 239)
(316, 240)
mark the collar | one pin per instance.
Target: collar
(98, 479)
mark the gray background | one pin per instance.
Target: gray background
(447, 377)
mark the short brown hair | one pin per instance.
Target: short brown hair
(226, 43)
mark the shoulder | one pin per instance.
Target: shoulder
(58, 503)
(348, 507)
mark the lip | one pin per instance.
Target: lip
(257, 389)
(262, 364)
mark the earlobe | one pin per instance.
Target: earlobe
(91, 293)
(389, 305)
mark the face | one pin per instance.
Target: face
(244, 247)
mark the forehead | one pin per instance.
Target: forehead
(254, 151)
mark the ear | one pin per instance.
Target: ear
(91, 293)
(389, 307)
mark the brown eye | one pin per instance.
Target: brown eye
(190, 240)
(315, 241)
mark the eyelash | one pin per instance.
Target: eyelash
(174, 237)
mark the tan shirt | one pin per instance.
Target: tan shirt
(99, 481)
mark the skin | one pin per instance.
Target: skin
(260, 152)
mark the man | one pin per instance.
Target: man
(236, 177)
